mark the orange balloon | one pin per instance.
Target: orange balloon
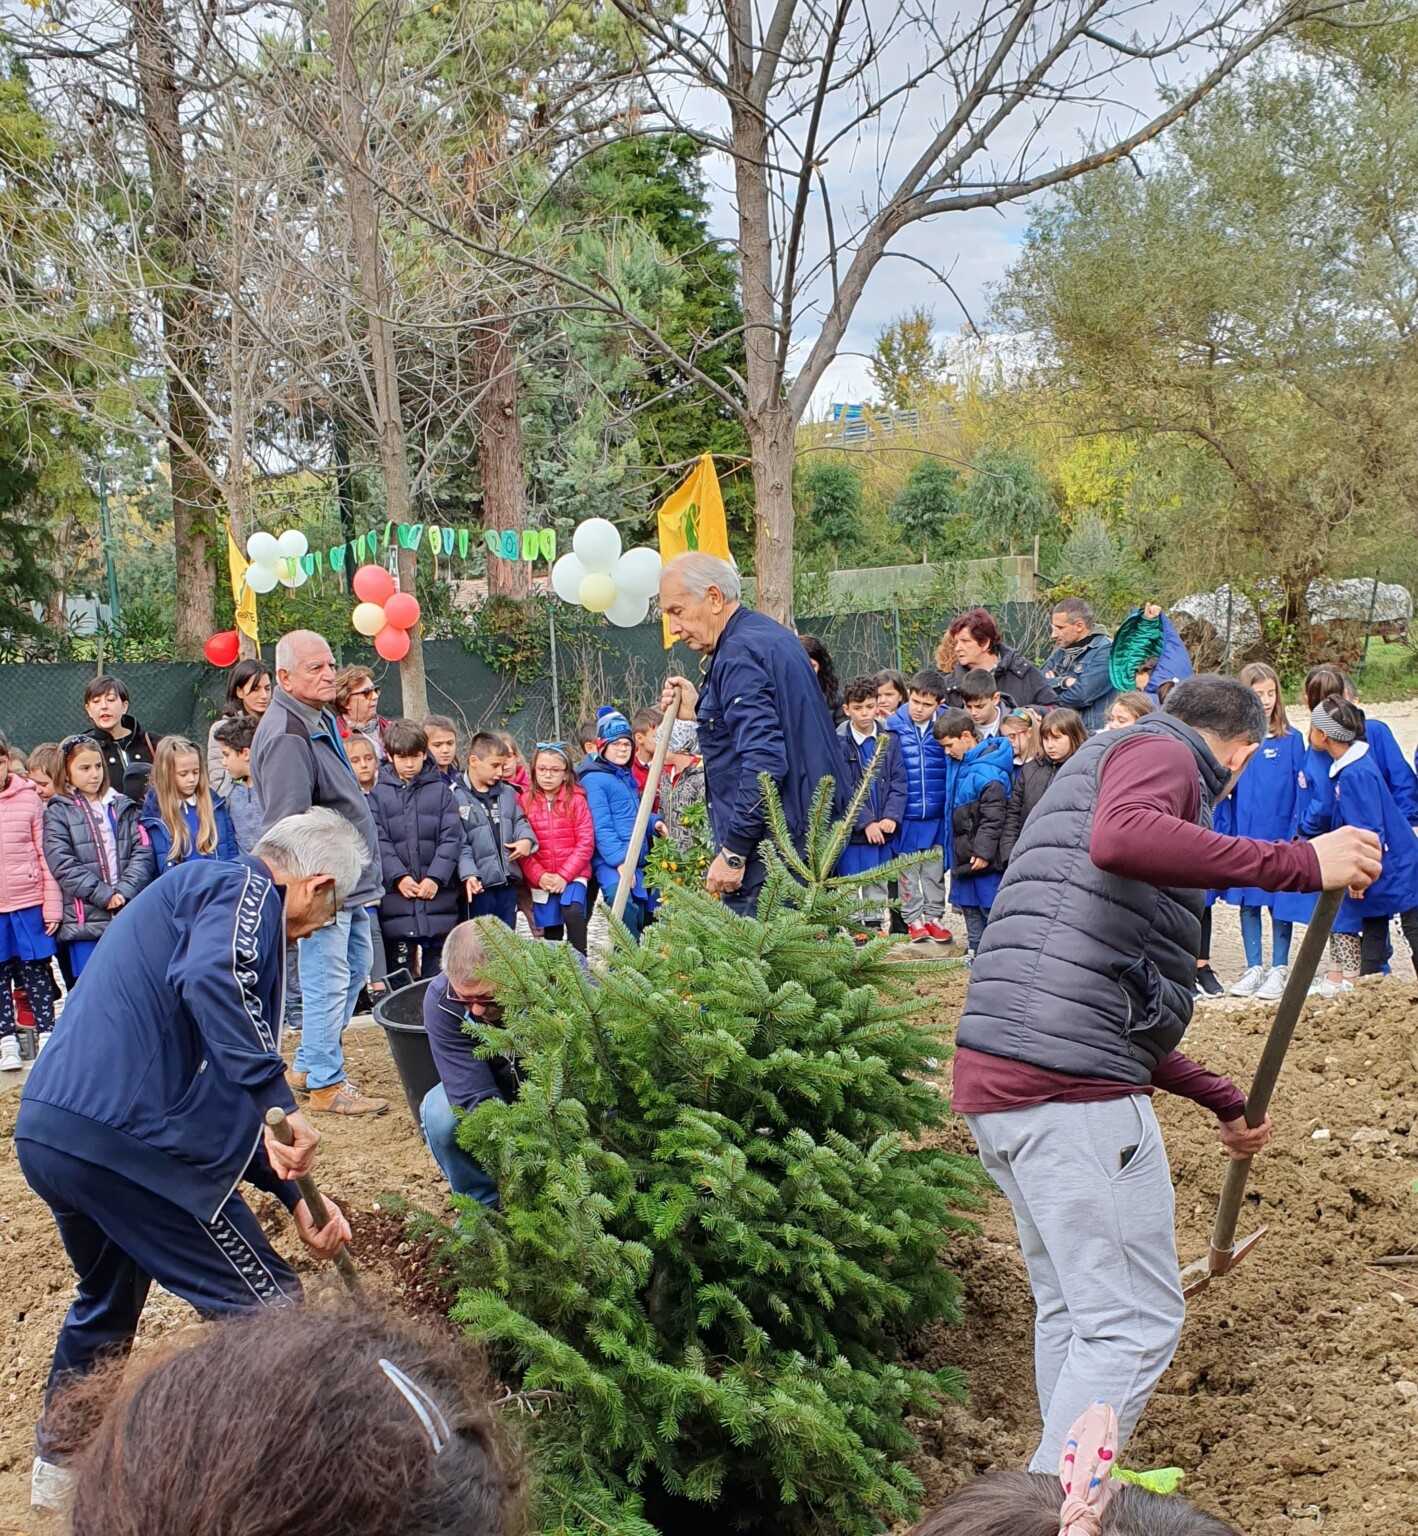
(373, 584)
(392, 644)
(402, 610)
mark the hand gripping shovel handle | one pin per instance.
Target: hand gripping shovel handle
(647, 804)
(1282, 1031)
(315, 1204)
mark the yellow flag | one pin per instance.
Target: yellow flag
(692, 517)
(242, 595)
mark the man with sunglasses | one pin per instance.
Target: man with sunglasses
(298, 760)
(147, 1111)
(459, 995)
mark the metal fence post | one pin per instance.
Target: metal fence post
(555, 676)
(1230, 603)
(1369, 624)
(896, 632)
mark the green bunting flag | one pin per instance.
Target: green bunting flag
(527, 544)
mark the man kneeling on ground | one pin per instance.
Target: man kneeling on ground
(460, 994)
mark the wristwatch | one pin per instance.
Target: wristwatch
(733, 860)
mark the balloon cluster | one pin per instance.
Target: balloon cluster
(276, 560)
(599, 578)
(383, 614)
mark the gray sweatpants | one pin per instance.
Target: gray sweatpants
(1099, 1241)
(923, 892)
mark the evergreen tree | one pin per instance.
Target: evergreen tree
(927, 510)
(833, 519)
(717, 1220)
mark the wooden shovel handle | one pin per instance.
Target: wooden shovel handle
(314, 1202)
(647, 804)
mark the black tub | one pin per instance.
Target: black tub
(400, 1014)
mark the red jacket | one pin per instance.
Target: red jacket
(25, 880)
(566, 838)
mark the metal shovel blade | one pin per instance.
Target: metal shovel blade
(1197, 1275)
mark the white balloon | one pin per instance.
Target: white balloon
(262, 549)
(638, 572)
(293, 574)
(597, 545)
(566, 577)
(628, 609)
(292, 545)
(261, 578)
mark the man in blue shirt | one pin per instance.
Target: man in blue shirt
(148, 1107)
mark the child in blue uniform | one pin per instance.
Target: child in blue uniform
(873, 840)
(976, 803)
(1266, 804)
(1362, 799)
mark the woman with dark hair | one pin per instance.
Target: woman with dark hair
(295, 1423)
(248, 692)
(973, 640)
(821, 660)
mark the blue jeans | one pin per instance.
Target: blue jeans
(1253, 938)
(975, 920)
(440, 1130)
(334, 965)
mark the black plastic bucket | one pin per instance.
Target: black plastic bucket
(400, 1015)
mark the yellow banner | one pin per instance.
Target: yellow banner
(242, 595)
(692, 517)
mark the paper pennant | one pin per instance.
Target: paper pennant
(308, 564)
(337, 557)
(463, 543)
(547, 540)
(511, 544)
(435, 539)
(388, 529)
(447, 541)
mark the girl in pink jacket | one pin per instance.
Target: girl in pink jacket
(558, 872)
(30, 910)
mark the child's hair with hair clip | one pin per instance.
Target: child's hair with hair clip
(1022, 728)
(1325, 680)
(384, 1425)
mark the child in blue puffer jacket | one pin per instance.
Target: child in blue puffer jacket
(973, 824)
(614, 798)
(923, 886)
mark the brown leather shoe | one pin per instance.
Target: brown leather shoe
(298, 1082)
(344, 1099)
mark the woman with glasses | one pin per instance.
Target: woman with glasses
(248, 692)
(357, 706)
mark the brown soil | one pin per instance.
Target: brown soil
(1292, 1405)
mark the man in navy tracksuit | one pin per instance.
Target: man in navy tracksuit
(147, 1109)
(760, 710)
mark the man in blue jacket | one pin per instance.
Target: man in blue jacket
(1078, 666)
(760, 711)
(148, 1108)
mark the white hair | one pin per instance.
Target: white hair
(316, 842)
(290, 648)
(699, 572)
(464, 954)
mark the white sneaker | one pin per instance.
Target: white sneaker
(51, 1486)
(10, 1054)
(1324, 987)
(1273, 987)
(41, 1039)
(1248, 983)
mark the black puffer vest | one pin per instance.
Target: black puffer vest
(1081, 971)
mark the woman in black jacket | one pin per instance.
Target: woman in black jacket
(1060, 736)
(973, 640)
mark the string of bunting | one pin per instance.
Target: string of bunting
(527, 544)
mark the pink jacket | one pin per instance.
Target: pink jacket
(565, 839)
(25, 880)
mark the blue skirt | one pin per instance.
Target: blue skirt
(547, 906)
(22, 936)
(859, 858)
(916, 837)
(975, 890)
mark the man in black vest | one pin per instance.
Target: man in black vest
(1078, 999)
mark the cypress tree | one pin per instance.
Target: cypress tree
(716, 1222)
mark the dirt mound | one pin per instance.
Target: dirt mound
(1293, 1401)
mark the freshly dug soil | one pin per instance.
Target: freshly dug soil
(1292, 1405)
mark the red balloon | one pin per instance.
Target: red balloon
(223, 648)
(402, 610)
(373, 584)
(392, 644)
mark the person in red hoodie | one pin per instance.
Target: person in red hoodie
(30, 910)
(558, 871)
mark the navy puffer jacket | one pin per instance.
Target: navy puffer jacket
(420, 835)
(927, 766)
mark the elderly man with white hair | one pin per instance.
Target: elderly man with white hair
(298, 761)
(148, 1108)
(759, 710)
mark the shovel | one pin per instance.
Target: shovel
(1225, 1252)
(647, 805)
(319, 1211)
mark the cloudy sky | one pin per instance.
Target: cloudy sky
(974, 247)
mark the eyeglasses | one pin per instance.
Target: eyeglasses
(365, 693)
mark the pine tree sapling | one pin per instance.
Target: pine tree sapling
(716, 1219)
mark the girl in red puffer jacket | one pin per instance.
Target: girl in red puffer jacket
(557, 873)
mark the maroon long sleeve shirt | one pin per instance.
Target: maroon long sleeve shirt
(1144, 828)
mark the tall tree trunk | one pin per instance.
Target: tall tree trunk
(383, 361)
(500, 447)
(186, 318)
(769, 425)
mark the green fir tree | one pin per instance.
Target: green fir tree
(717, 1220)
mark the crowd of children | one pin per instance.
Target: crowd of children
(479, 830)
